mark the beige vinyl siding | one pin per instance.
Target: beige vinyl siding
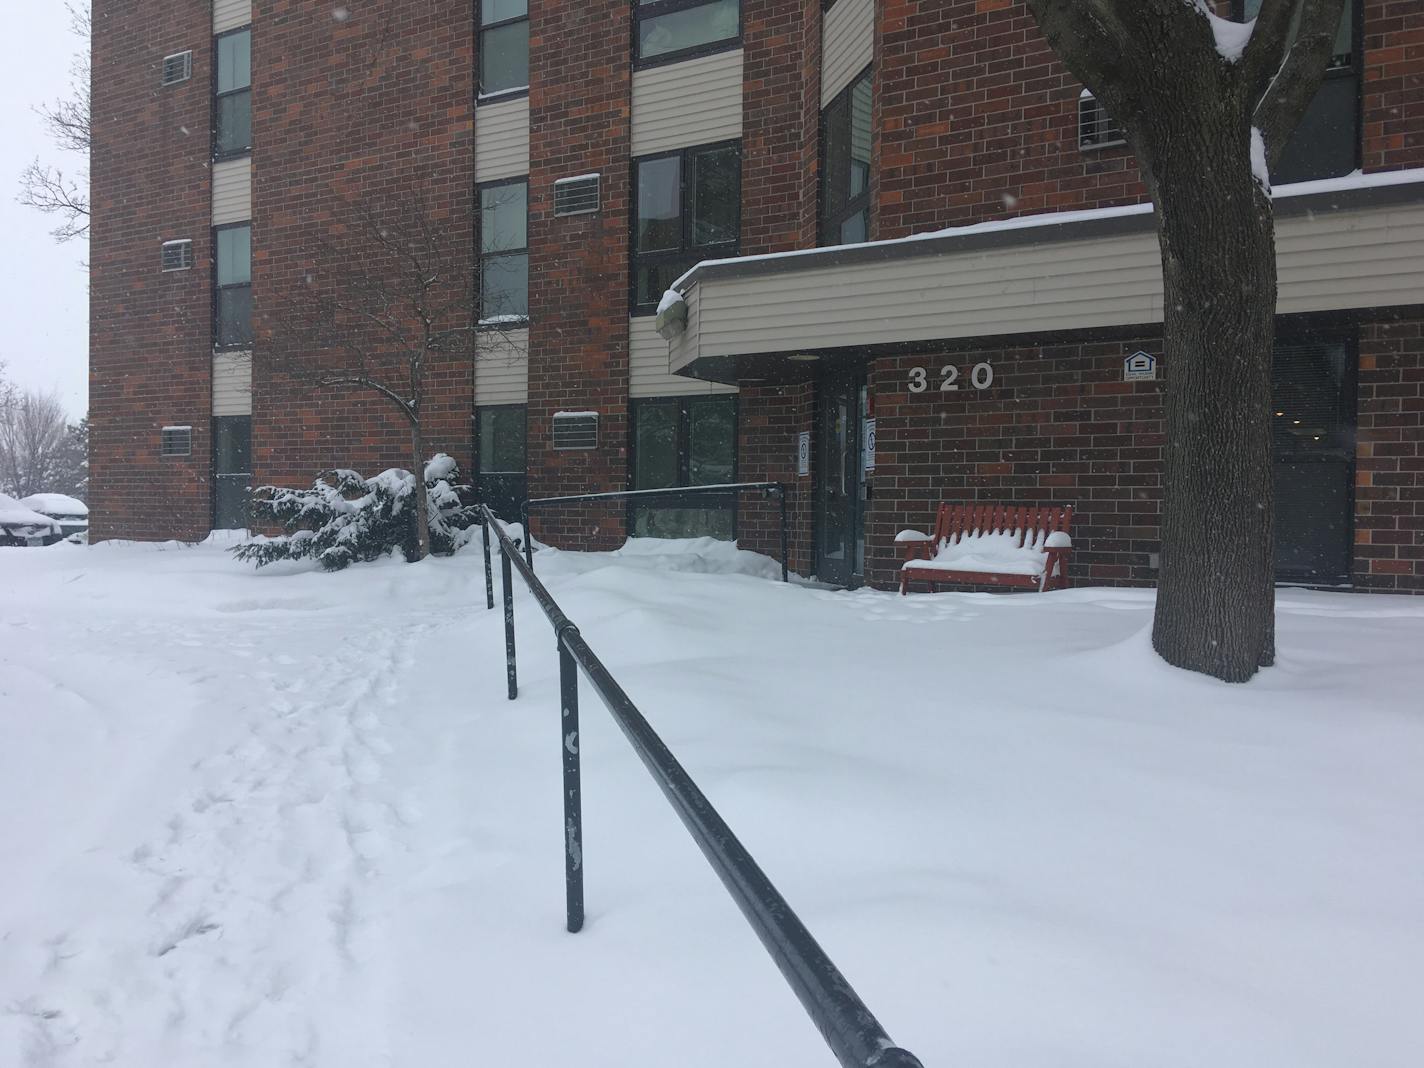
(847, 44)
(502, 140)
(692, 102)
(232, 383)
(648, 366)
(232, 191)
(1327, 262)
(502, 368)
(231, 14)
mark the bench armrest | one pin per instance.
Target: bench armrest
(917, 546)
(1059, 539)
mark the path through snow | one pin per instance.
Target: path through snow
(280, 818)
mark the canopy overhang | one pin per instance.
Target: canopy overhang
(1342, 245)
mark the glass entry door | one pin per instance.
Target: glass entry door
(841, 402)
(1313, 419)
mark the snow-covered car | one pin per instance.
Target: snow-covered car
(70, 513)
(20, 525)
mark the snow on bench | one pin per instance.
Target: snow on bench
(990, 544)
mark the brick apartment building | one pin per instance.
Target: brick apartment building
(590, 153)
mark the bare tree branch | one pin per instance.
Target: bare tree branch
(1299, 74)
(382, 300)
(1266, 48)
(47, 188)
(1088, 35)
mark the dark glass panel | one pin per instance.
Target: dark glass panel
(234, 123)
(712, 441)
(235, 316)
(504, 286)
(504, 57)
(655, 445)
(706, 24)
(659, 204)
(716, 194)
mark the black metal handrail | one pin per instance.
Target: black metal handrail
(771, 489)
(848, 1027)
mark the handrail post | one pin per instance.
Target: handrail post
(528, 535)
(489, 572)
(785, 574)
(510, 671)
(573, 803)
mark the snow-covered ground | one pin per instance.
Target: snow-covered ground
(288, 818)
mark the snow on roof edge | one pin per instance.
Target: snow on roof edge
(1353, 180)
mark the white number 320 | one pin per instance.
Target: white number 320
(981, 377)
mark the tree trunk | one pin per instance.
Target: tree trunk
(1216, 594)
(422, 513)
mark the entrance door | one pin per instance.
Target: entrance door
(1313, 419)
(841, 401)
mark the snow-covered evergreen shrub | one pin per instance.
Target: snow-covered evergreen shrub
(345, 518)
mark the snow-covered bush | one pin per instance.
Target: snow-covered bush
(345, 518)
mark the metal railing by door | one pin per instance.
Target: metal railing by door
(851, 1031)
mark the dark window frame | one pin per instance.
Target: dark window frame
(654, 8)
(217, 154)
(1325, 330)
(503, 491)
(221, 476)
(684, 404)
(514, 92)
(218, 289)
(686, 248)
(855, 204)
(484, 411)
(509, 324)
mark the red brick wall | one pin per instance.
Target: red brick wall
(1389, 465)
(780, 124)
(1057, 426)
(578, 307)
(977, 120)
(781, 119)
(771, 417)
(1393, 90)
(149, 363)
(364, 114)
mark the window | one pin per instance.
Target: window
(232, 103)
(175, 441)
(504, 252)
(687, 207)
(232, 286)
(845, 173)
(232, 470)
(1326, 143)
(504, 46)
(684, 441)
(177, 255)
(673, 29)
(500, 432)
(177, 68)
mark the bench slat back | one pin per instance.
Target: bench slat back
(955, 522)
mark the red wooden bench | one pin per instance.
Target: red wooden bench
(992, 545)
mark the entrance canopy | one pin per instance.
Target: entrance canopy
(1342, 244)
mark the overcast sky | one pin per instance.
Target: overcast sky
(44, 300)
